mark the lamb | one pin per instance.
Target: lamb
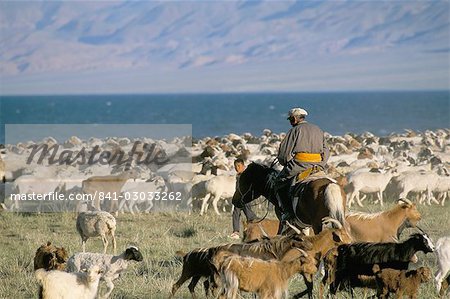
(443, 258)
(269, 279)
(50, 257)
(384, 226)
(357, 259)
(57, 284)
(400, 281)
(111, 265)
(94, 224)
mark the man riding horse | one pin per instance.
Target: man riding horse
(302, 152)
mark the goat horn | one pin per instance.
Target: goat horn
(263, 231)
(405, 200)
(302, 251)
(421, 230)
(327, 220)
(297, 231)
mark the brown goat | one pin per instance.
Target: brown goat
(198, 263)
(321, 244)
(50, 257)
(268, 279)
(260, 229)
(444, 286)
(400, 281)
(384, 226)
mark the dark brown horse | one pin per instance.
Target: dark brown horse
(320, 198)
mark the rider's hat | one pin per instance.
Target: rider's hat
(297, 112)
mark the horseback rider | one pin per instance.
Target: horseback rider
(302, 152)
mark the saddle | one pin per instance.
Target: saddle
(302, 180)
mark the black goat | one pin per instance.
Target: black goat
(358, 259)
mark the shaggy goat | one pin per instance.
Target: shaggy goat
(400, 281)
(94, 224)
(62, 285)
(358, 259)
(50, 257)
(111, 265)
(269, 279)
(443, 259)
(198, 263)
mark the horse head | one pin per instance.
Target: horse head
(253, 182)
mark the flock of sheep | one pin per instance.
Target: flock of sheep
(365, 251)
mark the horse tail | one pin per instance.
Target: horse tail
(335, 202)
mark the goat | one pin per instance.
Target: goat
(257, 230)
(269, 279)
(112, 266)
(400, 281)
(384, 226)
(57, 284)
(199, 262)
(108, 185)
(368, 182)
(357, 259)
(321, 244)
(218, 187)
(94, 224)
(50, 257)
(443, 258)
(412, 181)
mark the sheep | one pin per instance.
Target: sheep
(368, 182)
(400, 281)
(269, 279)
(57, 284)
(50, 257)
(218, 187)
(94, 224)
(109, 185)
(384, 226)
(199, 262)
(443, 258)
(111, 265)
(357, 259)
(256, 230)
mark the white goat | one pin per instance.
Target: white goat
(136, 193)
(412, 181)
(218, 187)
(95, 224)
(111, 265)
(62, 285)
(443, 258)
(368, 182)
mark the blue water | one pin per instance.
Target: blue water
(217, 114)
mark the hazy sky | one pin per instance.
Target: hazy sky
(222, 46)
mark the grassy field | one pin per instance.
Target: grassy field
(159, 236)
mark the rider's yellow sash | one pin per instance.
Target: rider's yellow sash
(307, 157)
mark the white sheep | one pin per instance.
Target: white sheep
(62, 285)
(111, 265)
(95, 224)
(443, 258)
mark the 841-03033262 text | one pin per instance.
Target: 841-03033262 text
(141, 196)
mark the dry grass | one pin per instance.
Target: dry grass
(158, 235)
